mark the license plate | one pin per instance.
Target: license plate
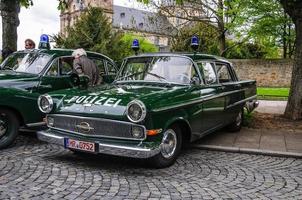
(80, 145)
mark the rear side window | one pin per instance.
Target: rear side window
(101, 65)
(208, 71)
(111, 69)
(223, 73)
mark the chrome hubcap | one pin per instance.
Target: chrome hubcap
(3, 125)
(168, 144)
(239, 119)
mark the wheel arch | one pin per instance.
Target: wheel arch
(184, 126)
(18, 114)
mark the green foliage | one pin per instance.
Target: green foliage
(93, 32)
(145, 46)
(26, 3)
(207, 34)
(266, 23)
(246, 51)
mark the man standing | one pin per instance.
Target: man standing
(84, 66)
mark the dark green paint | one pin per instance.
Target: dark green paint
(20, 91)
(202, 108)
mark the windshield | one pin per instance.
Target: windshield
(170, 69)
(31, 62)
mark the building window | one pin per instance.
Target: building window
(122, 15)
(141, 25)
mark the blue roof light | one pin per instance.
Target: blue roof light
(135, 45)
(44, 38)
(194, 42)
(44, 42)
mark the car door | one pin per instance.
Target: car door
(232, 89)
(213, 98)
(106, 68)
(58, 75)
(111, 70)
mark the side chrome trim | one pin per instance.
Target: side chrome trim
(242, 101)
(202, 99)
(98, 119)
(133, 151)
(36, 124)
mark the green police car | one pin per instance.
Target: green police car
(27, 74)
(157, 103)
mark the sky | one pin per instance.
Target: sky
(44, 17)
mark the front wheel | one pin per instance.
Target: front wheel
(169, 148)
(9, 127)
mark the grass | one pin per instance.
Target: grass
(272, 93)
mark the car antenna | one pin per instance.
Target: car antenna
(135, 46)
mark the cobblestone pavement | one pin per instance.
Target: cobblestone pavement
(36, 170)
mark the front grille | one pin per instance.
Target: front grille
(95, 127)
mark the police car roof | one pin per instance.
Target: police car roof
(195, 57)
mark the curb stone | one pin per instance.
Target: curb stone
(249, 151)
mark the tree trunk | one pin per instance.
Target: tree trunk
(221, 28)
(10, 21)
(284, 41)
(294, 106)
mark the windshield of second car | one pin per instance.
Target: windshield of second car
(171, 69)
(32, 62)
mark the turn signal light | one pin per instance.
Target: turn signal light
(153, 132)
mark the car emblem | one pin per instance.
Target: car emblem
(84, 127)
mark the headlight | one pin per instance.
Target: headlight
(136, 111)
(45, 103)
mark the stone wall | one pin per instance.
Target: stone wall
(268, 73)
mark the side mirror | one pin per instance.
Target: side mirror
(195, 80)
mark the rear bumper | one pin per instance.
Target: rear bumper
(251, 105)
(125, 150)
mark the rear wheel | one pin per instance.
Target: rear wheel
(237, 124)
(169, 148)
(9, 127)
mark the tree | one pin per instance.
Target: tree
(145, 45)
(220, 13)
(205, 32)
(266, 21)
(93, 32)
(294, 106)
(10, 20)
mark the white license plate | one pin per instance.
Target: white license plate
(80, 145)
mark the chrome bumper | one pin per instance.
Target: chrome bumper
(251, 105)
(133, 151)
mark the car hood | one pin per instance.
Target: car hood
(17, 80)
(112, 100)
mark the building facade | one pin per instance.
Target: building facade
(153, 27)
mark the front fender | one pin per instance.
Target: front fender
(24, 102)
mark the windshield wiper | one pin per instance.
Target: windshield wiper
(159, 77)
(7, 68)
(137, 73)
